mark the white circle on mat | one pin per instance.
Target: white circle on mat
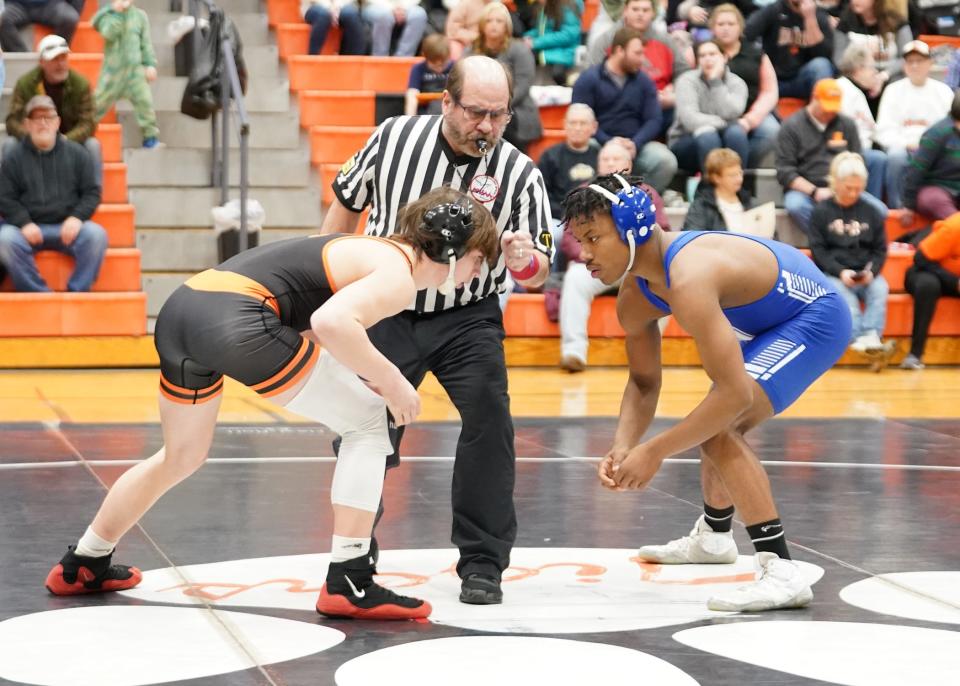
(485, 660)
(838, 652)
(927, 596)
(546, 590)
(128, 646)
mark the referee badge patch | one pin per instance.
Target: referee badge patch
(484, 188)
(348, 165)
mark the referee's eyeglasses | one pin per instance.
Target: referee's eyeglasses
(475, 115)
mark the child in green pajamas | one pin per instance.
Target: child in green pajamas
(129, 63)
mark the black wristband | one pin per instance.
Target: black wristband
(813, 193)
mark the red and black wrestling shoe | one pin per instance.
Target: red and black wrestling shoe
(351, 593)
(76, 574)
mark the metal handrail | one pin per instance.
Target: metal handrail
(230, 90)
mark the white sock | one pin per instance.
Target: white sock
(91, 545)
(345, 548)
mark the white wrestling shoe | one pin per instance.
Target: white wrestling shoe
(781, 586)
(702, 546)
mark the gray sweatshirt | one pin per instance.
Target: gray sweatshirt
(701, 104)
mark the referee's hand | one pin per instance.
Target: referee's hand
(518, 248)
(402, 399)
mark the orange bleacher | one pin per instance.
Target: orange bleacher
(117, 306)
(86, 39)
(337, 108)
(335, 144)
(349, 73)
(550, 137)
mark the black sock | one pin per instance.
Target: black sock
(719, 520)
(768, 537)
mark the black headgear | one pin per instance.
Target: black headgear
(449, 227)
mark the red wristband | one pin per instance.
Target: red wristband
(529, 271)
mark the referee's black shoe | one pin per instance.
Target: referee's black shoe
(480, 589)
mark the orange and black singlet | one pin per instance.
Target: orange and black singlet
(243, 319)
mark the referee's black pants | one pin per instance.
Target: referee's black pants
(463, 347)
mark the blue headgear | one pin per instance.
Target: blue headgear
(449, 227)
(633, 214)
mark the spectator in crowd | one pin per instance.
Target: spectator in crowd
(663, 61)
(429, 76)
(710, 102)
(908, 108)
(463, 25)
(322, 14)
(935, 273)
(797, 37)
(625, 102)
(384, 15)
(755, 68)
(807, 144)
(931, 185)
(859, 78)
(580, 288)
(697, 13)
(47, 195)
(556, 36)
(848, 240)
(495, 40)
(880, 28)
(70, 92)
(61, 16)
(720, 199)
(129, 65)
(570, 164)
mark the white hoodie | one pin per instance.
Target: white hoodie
(906, 111)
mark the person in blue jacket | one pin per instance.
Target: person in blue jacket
(556, 36)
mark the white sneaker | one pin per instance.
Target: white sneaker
(781, 586)
(703, 546)
(868, 341)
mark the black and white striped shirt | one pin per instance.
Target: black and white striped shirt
(408, 156)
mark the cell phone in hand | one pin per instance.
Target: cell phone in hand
(862, 274)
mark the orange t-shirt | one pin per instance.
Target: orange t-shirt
(943, 243)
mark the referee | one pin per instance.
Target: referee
(459, 336)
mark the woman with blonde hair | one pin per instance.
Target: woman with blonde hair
(494, 40)
(848, 240)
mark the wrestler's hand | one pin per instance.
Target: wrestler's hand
(402, 399)
(637, 469)
(606, 467)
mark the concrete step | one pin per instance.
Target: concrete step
(167, 206)
(192, 167)
(267, 130)
(18, 64)
(251, 25)
(264, 94)
(231, 7)
(785, 229)
(185, 251)
(262, 61)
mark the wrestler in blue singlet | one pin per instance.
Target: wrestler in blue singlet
(790, 336)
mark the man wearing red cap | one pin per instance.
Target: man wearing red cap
(806, 145)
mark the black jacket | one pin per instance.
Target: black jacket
(847, 237)
(704, 213)
(47, 187)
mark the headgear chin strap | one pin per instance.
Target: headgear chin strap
(449, 284)
(448, 227)
(634, 215)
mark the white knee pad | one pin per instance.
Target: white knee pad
(358, 477)
(336, 397)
